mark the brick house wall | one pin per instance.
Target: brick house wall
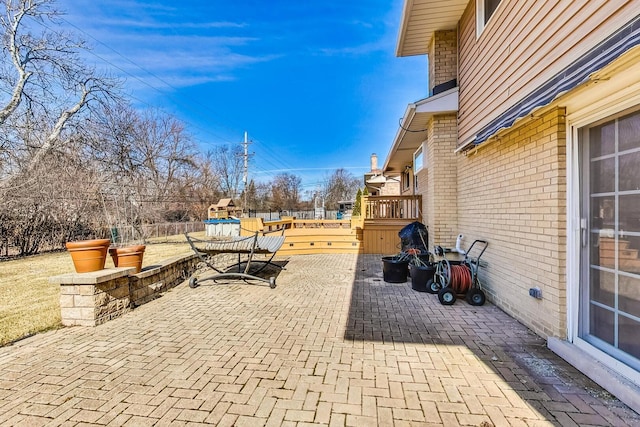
(391, 187)
(443, 57)
(513, 194)
(530, 82)
(439, 195)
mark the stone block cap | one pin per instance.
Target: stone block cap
(92, 278)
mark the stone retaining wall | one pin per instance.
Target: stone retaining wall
(90, 299)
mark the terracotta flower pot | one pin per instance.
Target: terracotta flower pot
(130, 256)
(88, 255)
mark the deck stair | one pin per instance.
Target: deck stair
(628, 259)
(311, 236)
(373, 232)
(301, 241)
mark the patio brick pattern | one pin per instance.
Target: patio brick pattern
(333, 344)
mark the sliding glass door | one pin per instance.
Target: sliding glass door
(609, 310)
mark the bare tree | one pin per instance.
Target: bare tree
(43, 76)
(62, 123)
(150, 160)
(228, 166)
(258, 195)
(340, 185)
(50, 204)
(202, 187)
(285, 191)
(250, 196)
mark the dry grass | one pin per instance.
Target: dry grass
(29, 304)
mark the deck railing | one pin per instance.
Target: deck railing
(322, 223)
(381, 210)
(392, 207)
(375, 231)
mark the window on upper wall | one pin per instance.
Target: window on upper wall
(406, 180)
(484, 12)
(418, 160)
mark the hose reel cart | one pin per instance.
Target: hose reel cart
(459, 278)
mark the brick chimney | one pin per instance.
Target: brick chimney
(374, 163)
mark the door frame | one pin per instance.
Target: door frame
(609, 105)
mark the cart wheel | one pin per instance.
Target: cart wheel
(447, 296)
(432, 286)
(272, 282)
(475, 296)
(440, 280)
(193, 282)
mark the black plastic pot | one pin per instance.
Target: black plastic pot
(393, 270)
(420, 275)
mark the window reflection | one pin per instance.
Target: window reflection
(629, 132)
(602, 322)
(602, 139)
(603, 176)
(603, 287)
(630, 171)
(603, 215)
(628, 336)
(629, 294)
(629, 213)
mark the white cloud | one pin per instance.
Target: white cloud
(357, 50)
(140, 39)
(182, 68)
(132, 24)
(178, 58)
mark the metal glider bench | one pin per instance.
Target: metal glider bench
(241, 245)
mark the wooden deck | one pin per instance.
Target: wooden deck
(310, 236)
(384, 218)
(376, 232)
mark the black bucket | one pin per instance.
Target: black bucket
(420, 275)
(393, 270)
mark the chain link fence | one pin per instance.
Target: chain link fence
(158, 232)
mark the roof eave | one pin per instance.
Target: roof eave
(411, 131)
(418, 26)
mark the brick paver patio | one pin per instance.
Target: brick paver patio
(332, 345)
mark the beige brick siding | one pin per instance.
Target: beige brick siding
(513, 194)
(443, 57)
(439, 195)
(391, 187)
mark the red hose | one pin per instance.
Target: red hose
(460, 279)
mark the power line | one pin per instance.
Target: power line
(157, 89)
(163, 81)
(318, 169)
(270, 156)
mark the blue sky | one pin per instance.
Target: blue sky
(314, 83)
